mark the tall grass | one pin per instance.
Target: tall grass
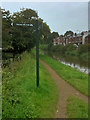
(21, 98)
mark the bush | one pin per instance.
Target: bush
(49, 46)
(43, 46)
(83, 49)
(70, 47)
(72, 53)
(53, 48)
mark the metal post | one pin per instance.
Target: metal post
(37, 47)
(37, 54)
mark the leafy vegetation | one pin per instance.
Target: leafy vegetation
(76, 78)
(20, 96)
(77, 108)
(6, 29)
(70, 33)
(51, 37)
(17, 39)
(82, 51)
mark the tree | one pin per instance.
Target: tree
(21, 38)
(6, 29)
(24, 36)
(70, 33)
(75, 34)
(61, 36)
(52, 36)
(82, 33)
(44, 31)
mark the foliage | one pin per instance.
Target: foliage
(45, 33)
(61, 48)
(70, 33)
(83, 48)
(43, 47)
(77, 108)
(70, 49)
(49, 46)
(21, 38)
(58, 48)
(6, 29)
(24, 36)
(51, 37)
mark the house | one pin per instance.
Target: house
(80, 38)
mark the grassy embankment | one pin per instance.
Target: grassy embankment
(76, 78)
(77, 108)
(21, 97)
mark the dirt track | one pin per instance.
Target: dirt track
(65, 89)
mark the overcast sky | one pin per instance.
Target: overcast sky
(60, 16)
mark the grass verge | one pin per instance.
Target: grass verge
(77, 108)
(20, 96)
(76, 78)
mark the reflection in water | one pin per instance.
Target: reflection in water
(72, 61)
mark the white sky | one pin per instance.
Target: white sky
(44, 0)
(60, 16)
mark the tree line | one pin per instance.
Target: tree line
(21, 38)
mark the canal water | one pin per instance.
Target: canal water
(72, 61)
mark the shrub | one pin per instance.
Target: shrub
(83, 49)
(50, 45)
(70, 47)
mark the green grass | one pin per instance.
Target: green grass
(76, 78)
(77, 108)
(21, 97)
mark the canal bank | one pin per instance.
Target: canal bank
(75, 57)
(76, 62)
(74, 77)
(70, 100)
